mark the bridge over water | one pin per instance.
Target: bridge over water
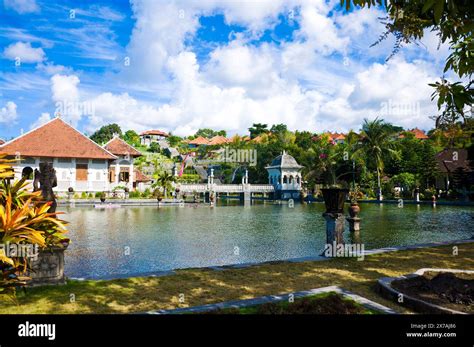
(245, 189)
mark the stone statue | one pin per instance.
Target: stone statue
(45, 180)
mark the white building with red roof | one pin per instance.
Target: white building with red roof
(80, 163)
(121, 170)
(150, 136)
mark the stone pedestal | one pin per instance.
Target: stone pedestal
(354, 223)
(48, 268)
(334, 227)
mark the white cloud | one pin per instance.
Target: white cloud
(64, 87)
(101, 12)
(66, 96)
(240, 65)
(8, 112)
(44, 118)
(53, 69)
(255, 15)
(401, 83)
(25, 52)
(304, 82)
(320, 31)
(22, 6)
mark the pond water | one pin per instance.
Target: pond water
(139, 240)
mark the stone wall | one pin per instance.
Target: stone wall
(48, 268)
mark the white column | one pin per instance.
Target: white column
(117, 173)
(73, 173)
(130, 180)
(90, 174)
(106, 177)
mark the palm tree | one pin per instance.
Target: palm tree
(375, 145)
(165, 180)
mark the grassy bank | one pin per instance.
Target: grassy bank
(206, 286)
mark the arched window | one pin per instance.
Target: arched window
(285, 179)
(292, 179)
(27, 172)
(298, 179)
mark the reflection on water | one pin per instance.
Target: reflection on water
(138, 240)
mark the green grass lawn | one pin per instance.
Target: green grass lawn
(201, 286)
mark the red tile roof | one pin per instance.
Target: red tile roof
(419, 134)
(140, 176)
(332, 136)
(55, 139)
(199, 141)
(336, 136)
(117, 146)
(154, 132)
(2, 142)
(218, 140)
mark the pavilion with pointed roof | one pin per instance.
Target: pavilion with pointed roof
(284, 173)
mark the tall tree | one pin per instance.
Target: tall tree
(131, 137)
(258, 129)
(208, 133)
(164, 180)
(106, 133)
(376, 145)
(278, 129)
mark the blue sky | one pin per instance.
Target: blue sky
(183, 65)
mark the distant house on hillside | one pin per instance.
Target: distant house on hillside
(2, 141)
(452, 163)
(338, 138)
(217, 140)
(171, 152)
(150, 136)
(419, 134)
(198, 141)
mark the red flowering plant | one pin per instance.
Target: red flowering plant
(327, 163)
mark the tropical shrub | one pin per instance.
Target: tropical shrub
(24, 221)
(406, 181)
(134, 194)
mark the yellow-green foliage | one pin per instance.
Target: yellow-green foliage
(24, 219)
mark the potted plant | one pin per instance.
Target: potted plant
(334, 198)
(102, 197)
(28, 224)
(159, 195)
(70, 193)
(354, 208)
(126, 192)
(334, 192)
